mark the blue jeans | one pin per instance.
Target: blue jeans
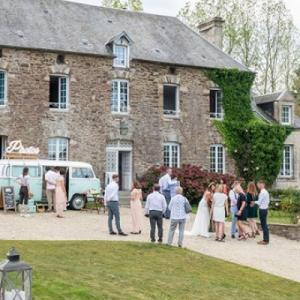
(167, 195)
(113, 211)
(233, 210)
(263, 214)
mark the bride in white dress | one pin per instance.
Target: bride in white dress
(202, 219)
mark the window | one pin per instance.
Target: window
(34, 171)
(3, 144)
(171, 155)
(287, 162)
(119, 101)
(3, 85)
(121, 59)
(171, 100)
(216, 107)
(286, 115)
(217, 159)
(59, 92)
(82, 173)
(58, 149)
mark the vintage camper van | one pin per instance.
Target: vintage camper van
(80, 179)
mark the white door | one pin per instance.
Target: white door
(126, 170)
(112, 164)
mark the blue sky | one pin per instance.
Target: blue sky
(171, 7)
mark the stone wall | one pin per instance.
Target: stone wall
(90, 125)
(291, 232)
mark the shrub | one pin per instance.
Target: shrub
(193, 180)
(289, 200)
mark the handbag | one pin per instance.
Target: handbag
(187, 207)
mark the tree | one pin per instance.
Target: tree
(135, 5)
(296, 90)
(261, 35)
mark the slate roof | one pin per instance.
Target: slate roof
(268, 98)
(59, 25)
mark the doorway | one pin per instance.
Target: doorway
(119, 161)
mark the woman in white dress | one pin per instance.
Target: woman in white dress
(202, 219)
(219, 205)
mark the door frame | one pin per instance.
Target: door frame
(117, 148)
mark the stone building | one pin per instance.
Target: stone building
(280, 107)
(119, 89)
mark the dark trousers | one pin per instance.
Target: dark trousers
(263, 214)
(24, 195)
(113, 211)
(167, 195)
(156, 219)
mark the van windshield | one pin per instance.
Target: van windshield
(82, 173)
(34, 171)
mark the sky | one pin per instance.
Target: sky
(171, 7)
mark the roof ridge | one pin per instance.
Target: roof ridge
(116, 9)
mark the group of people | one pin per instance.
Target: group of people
(244, 205)
(167, 201)
(55, 191)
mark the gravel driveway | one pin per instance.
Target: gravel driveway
(281, 257)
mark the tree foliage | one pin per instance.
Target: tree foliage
(255, 146)
(135, 5)
(296, 90)
(260, 34)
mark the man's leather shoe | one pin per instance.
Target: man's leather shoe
(113, 233)
(262, 243)
(123, 234)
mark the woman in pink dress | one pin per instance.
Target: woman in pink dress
(60, 195)
(136, 208)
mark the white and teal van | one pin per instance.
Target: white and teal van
(80, 179)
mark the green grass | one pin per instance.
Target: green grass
(95, 270)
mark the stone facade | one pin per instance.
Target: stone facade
(89, 124)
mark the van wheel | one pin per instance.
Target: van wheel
(77, 202)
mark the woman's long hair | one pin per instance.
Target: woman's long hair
(136, 185)
(25, 171)
(251, 189)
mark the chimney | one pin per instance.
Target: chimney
(212, 30)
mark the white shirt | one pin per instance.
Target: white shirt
(156, 201)
(51, 178)
(177, 207)
(263, 199)
(233, 198)
(112, 192)
(23, 181)
(164, 182)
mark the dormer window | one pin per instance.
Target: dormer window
(286, 115)
(121, 56)
(119, 46)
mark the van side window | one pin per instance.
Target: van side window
(33, 171)
(82, 173)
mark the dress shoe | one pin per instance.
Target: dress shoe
(112, 233)
(233, 236)
(262, 243)
(123, 234)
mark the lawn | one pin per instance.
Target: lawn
(95, 270)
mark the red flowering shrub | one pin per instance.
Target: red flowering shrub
(193, 180)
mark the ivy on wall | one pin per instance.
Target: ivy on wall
(255, 145)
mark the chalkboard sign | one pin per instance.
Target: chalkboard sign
(8, 196)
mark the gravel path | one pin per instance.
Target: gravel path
(281, 257)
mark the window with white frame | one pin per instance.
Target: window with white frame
(217, 158)
(3, 91)
(172, 155)
(216, 106)
(59, 92)
(120, 95)
(58, 148)
(286, 114)
(287, 161)
(171, 100)
(121, 53)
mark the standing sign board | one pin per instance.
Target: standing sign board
(8, 196)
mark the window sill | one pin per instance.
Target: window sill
(121, 67)
(283, 178)
(217, 119)
(60, 110)
(4, 108)
(120, 114)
